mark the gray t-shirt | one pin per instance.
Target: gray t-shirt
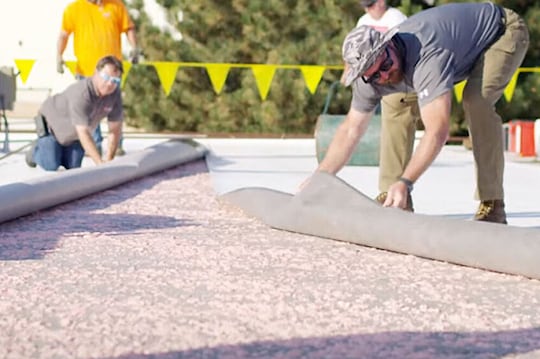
(440, 47)
(80, 104)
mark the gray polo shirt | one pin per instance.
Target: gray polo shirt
(440, 47)
(79, 104)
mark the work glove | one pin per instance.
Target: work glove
(134, 55)
(60, 64)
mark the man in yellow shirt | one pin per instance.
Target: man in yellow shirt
(97, 26)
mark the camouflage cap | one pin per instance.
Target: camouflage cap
(362, 47)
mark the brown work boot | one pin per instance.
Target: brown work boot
(491, 211)
(382, 197)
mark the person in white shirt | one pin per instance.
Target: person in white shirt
(379, 15)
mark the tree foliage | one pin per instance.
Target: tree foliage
(297, 32)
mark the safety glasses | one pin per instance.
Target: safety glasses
(115, 80)
(385, 66)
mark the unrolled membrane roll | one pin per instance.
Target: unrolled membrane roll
(22, 198)
(330, 208)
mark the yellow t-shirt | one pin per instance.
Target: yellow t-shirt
(97, 31)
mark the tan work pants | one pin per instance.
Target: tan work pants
(399, 113)
(484, 88)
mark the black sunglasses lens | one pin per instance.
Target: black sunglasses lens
(374, 77)
(386, 65)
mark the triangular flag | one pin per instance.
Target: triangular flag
(263, 76)
(127, 66)
(458, 90)
(312, 76)
(72, 66)
(25, 67)
(167, 74)
(511, 87)
(218, 74)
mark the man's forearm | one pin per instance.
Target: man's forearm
(88, 145)
(424, 155)
(61, 44)
(436, 117)
(113, 140)
(132, 38)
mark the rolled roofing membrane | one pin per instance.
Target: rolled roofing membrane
(22, 198)
(330, 208)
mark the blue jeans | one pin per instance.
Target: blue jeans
(98, 139)
(49, 154)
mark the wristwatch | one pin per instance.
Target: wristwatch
(408, 183)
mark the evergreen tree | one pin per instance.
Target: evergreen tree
(241, 31)
(295, 32)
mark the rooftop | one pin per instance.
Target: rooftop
(159, 267)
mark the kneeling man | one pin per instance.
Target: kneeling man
(66, 121)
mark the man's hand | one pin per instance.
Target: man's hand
(397, 196)
(60, 64)
(303, 184)
(134, 55)
(113, 138)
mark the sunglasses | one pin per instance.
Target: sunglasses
(385, 66)
(115, 80)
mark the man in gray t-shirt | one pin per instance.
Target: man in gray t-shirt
(70, 117)
(427, 54)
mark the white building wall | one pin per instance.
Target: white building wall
(29, 30)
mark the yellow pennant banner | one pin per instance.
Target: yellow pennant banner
(312, 76)
(25, 67)
(263, 77)
(127, 66)
(72, 66)
(458, 90)
(167, 73)
(218, 75)
(263, 73)
(511, 87)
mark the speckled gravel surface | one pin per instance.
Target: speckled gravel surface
(159, 268)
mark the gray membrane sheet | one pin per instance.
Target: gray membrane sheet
(22, 198)
(330, 208)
